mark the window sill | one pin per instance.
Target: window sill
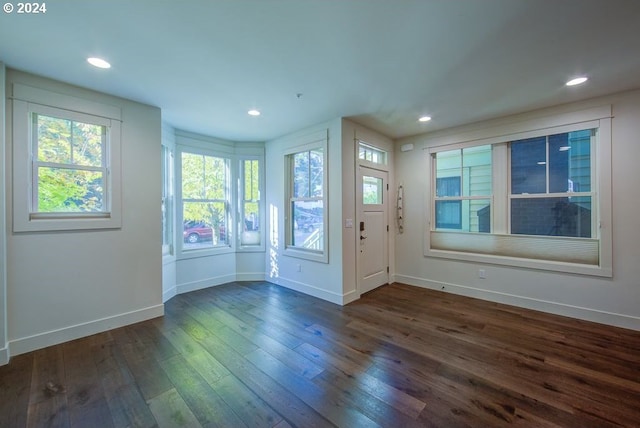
(315, 256)
(547, 265)
(63, 222)
(204, 252)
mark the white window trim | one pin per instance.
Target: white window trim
(261, 211)
(179, 217)
(599, 118)
(168, 249)
(27, 100)
(316, 140)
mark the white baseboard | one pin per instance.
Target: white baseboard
(329, 296)
(250, 276)
(351, 296)
(587, 314)
(54, 337)
(169, 294)
(204, 283)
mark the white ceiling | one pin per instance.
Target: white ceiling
(380, 62)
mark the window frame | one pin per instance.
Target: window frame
(229, 245)
(28, 101)
(593, 176)
(241, 200)
(316, 141)
(168, 200)
(478, 246)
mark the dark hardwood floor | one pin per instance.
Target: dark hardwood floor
(258, 355)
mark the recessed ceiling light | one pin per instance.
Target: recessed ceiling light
(577, 81)
(253, 112)
(98, 62)
(424, 119)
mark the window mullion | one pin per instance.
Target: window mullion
(500, 189)
(547, 162)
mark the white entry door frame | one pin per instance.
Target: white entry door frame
(372, 228)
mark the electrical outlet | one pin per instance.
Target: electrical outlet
(299, 268)
(482, 274)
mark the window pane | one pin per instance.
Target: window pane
(87, 143)
(570, 162)
(372, 154)
(251, 233)
(559, 163)
(301, 175)
(552, 216)
(579, 149)
(476, 215)
(193, 168)
(372, 192)
(250, 205)
(448, 186)
(464, 215)
(528, 166)
(215, 177)
(69, 190)
(449, 214)
(316, 179)
(251, 180)
(67, 142)
(203, 177)
(204, 224)
(448, 164)
(308, 224)
(54, 137)
(476, 167)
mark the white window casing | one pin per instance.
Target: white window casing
(28, 101)
(315, 141)
(590, 256)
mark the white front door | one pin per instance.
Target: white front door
(372, 229)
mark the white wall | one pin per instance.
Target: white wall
(608, 300)
(323, 280)
(64, 285)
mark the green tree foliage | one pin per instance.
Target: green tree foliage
(70, 162)
(308, 170)
(251, 194)
(204, 189)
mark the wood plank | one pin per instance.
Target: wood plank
(48, 400)
(328, 402)
(15, 388)
(282, 400)
(256, 354)
(201, 397)
(126, 404)
(395, 398)
(254, 411)
(148, 375)
(87, 403)
(171, 411)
